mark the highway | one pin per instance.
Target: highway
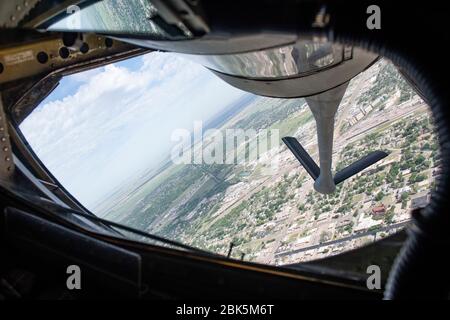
(353, 236)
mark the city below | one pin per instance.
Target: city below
(274, 216)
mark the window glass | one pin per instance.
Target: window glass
(117, 16)
(161, 144)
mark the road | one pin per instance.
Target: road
(354, 236)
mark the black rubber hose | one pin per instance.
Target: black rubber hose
(421, 269)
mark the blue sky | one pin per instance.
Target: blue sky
(103, 126)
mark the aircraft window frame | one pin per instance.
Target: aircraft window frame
(37, 160)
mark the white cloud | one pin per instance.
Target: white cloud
(119, 122)
(85, 76)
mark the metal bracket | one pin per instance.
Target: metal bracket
(6, 157)
(12, 12)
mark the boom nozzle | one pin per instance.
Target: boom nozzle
(324, 107)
